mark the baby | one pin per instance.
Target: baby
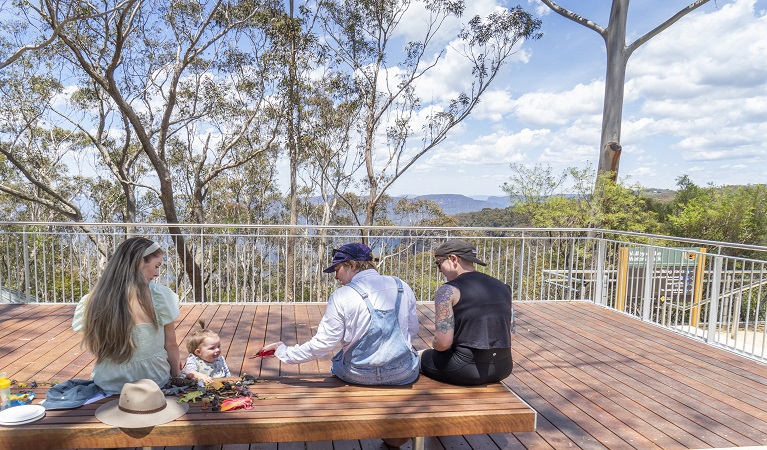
(205, 361)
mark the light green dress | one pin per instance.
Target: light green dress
(150, 359)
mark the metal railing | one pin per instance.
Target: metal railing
(710, 290)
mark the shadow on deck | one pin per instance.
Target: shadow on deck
(597, 378)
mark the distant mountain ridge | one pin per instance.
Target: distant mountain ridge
(456, 203)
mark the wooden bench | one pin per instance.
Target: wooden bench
(291, 409)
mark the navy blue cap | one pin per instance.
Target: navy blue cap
(350, 252)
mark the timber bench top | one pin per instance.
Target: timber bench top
(296, 409)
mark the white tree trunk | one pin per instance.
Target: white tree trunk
(615, 80)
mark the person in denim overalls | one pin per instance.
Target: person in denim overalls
(374, 319)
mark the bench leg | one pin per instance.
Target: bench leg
(418, 443)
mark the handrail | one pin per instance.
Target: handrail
(60, 262)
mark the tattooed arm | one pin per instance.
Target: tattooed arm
(444, 299)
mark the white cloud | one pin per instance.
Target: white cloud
(492, 149)
(539, 8)
(414, 21)
(560, 108)
(493, 106)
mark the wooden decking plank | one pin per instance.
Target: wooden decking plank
(720, 372)
(227, 331)
(718, 409)
(220, 323)
(563, 400)
(236, 354)
(36, 343)
(288, 335)
(23, 333)
(256, 340)
(595, 400)
(303, 334)
(583, 366)
(729, 361)
(264, 446)
(627, 398)
(270, 367)
(17, 320)
(316, 313)
(335, 445)
(479, 441)
(17, 342)
(454, 443)
(643, 380)
(608, 347)
(509, 442)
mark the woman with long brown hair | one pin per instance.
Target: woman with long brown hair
(127, 321)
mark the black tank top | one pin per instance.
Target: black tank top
(483, 312)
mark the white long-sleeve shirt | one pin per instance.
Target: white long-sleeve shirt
(347, 318)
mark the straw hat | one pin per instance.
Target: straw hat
(141, 404)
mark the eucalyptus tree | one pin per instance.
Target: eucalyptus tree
(618, 54)
(189, 79)
(332, 158)
(36, 25)
(33, 153)
(362, 39)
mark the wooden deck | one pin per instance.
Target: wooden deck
(598, 379)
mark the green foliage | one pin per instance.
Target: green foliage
(730, 214)
(490, 217)
(420, 212)
(539, 201)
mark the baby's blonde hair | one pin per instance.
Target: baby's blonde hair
(196, 338)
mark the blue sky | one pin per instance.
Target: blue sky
(696, 102)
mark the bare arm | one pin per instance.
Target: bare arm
(171, 346)
(444, 320)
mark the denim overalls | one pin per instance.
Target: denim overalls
(381, 356)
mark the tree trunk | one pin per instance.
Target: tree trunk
(290, 253)
(615, 80)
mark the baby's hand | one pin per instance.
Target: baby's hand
(206, 380)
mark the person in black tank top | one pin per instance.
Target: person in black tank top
(474, 320)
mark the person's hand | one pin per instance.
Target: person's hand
(206, 380)
(268, 350)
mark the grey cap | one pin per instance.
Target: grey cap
(459, 247)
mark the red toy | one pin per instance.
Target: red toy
(264, 354)
(237, 403)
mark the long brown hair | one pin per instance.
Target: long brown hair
(109, 322)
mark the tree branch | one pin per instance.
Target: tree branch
(576, 18)
(56, 30)
(652, 33)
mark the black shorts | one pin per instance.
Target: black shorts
(467, 366)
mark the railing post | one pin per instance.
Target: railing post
(521, 268)
(202, 263)
(27, 272)
(647, 298)
(599, 295)
(570, 284)
(713, 307)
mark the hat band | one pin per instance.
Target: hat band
(149, 411)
